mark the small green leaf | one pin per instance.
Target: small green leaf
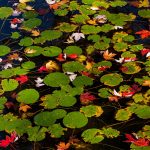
(92, 135)
(9, 84)
(110, 133)
(27, 41)
(123, 115)
(5, 12)
(59, 78)
(28, 96)
(4, 50)
(75, 120)
(112, 79)
(73, 50)
(82, 81)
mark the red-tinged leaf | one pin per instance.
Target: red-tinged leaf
(61, 58)
(130, 138)
(42, 69)
(124, 69)
(9, 105)
(127, 94)
(15, 21)
(72, 56)
(145, 51)
(43, 11)
(102, 68)
(22, 79)
(9, 139)
(86, 98)
(85, 73)
(142, 142)
(113, 98)
(138, 142)
(58, 4)
(143, 33)
(63, 146)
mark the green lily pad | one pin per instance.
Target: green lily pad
(5, 12)
(3, 100)
(112, 79)
(104, 92)
(123, 115)
(28, 96)
(33, 51)
(73, 50)
(110, 133)
(56, 130)
(75, 120)
(51, 51)
(4, 50)
(27, 41)
(58, 113)
(28, 65)
(45, 118)
(91, 110)
(59, 78)
(32, 23)
(145, 13)
(73, 66)
(93, 135)
(9, 84)
(36, 133)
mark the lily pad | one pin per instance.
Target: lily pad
(112, 79)
(73, 50)
(123, 115)
(75, 120)
(9, 84)
(130, 68)
(51, 51)
(91, 110)
(92, 135)
(59, 78)
(5, 12)
(28, 96)
(73, 66)
(45, 118)
(4, 50)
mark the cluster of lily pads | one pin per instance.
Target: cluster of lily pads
(58, 80)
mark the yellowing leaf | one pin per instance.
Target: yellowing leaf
(146, 83)
(24, 1)
(81, 58)
(93, 22)
(89, 65)
(52, 66)
(108, 56)
(29, 51)
(35, 32)
(144, 3)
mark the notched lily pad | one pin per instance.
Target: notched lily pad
(112, 79)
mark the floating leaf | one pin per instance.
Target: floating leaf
(59, 78)
(44, 118)
(27, 41)
(130, 68)
(51, 51)
(15, 35)
(123, 114)
(145, 13)
(73, 50)
(112, 79)
(33, 51)
(110, 133)
(75, 120)
(28, 65)
(4, 50)
(104, 92)
(36, 133)
(28, 96)
(92, 136)
(82, 81)
(73, 66)
(9, 84)
(66, 27)
(32, 23)
(3, 100)
(91, 110)
(56, 130)
(5, 12)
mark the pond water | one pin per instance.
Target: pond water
(48, 21)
